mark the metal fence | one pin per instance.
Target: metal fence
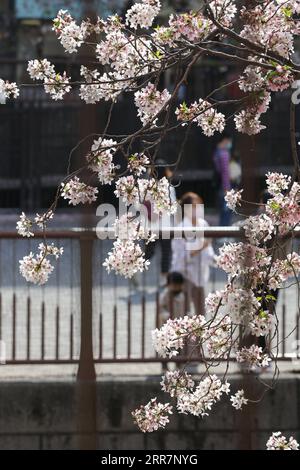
(84, 310)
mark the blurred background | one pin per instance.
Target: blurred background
(83, 315)
(33, 162)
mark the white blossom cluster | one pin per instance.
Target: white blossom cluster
(69, 33)
(238, 400)
(78, 192)
(25, 224)
(8, 90)
(150, 102)
(253, 357)
(176, 382)
(126, 258)
(143, 14)
(136, 191)
(37, 268)
(204, 114)
(279, 442)
(173, 335)
(199, 402)
(56, 84)
(137, 163)
(152, 416)
(233, 198)
(100, 159)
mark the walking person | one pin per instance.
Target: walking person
(222, 183)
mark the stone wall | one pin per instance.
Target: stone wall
(42, 415)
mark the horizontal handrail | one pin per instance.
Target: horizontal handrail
(82, 232)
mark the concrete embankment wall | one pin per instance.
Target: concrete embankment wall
(44, 415)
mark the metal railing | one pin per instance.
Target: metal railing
(85, 314)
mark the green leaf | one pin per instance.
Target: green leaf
(287, 11)
(270, 297)
(262, 314)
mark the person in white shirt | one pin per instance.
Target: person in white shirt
(192, 258)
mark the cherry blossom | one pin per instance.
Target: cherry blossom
(8, 89)
(100, 159)
(128, 228)
(137, 163)
(56, 84)
(70, 34)
(218, 337)
(176, 382)
(253, 357)
(279, 442)
(280, 79)
(40, 69)
(152, 416)
(78, 192)
(199, 402)
(261, 324)
(126, 258)
(270, 26)
(277, 183)
(192, 26)
(130, 56)
(133, 191)
(247, 122)
(252, 79)
(149, 102)
(281, 270)
(259, 229)
(143, 14)
(213, 301)
(24, 226)
(42, 219)
(204, 114)
(233, 198)
(240, 258)
(240, 304)
(175, 332)
(37, 268)
(127, 56)
(238, 400)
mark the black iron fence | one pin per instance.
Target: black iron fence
(83, 313)
(38, 134)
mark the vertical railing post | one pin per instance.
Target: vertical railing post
(86, 376)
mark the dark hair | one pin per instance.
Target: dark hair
(175, 277)
(190, 198)
(160, 167)
(224, 135)
(264, 196)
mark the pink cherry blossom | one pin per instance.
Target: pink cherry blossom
(279, 442)
(78, 192)
(152, 416)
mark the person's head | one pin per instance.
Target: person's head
(162, 169)
(190, 203)
(175, 281)
(225, 141)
